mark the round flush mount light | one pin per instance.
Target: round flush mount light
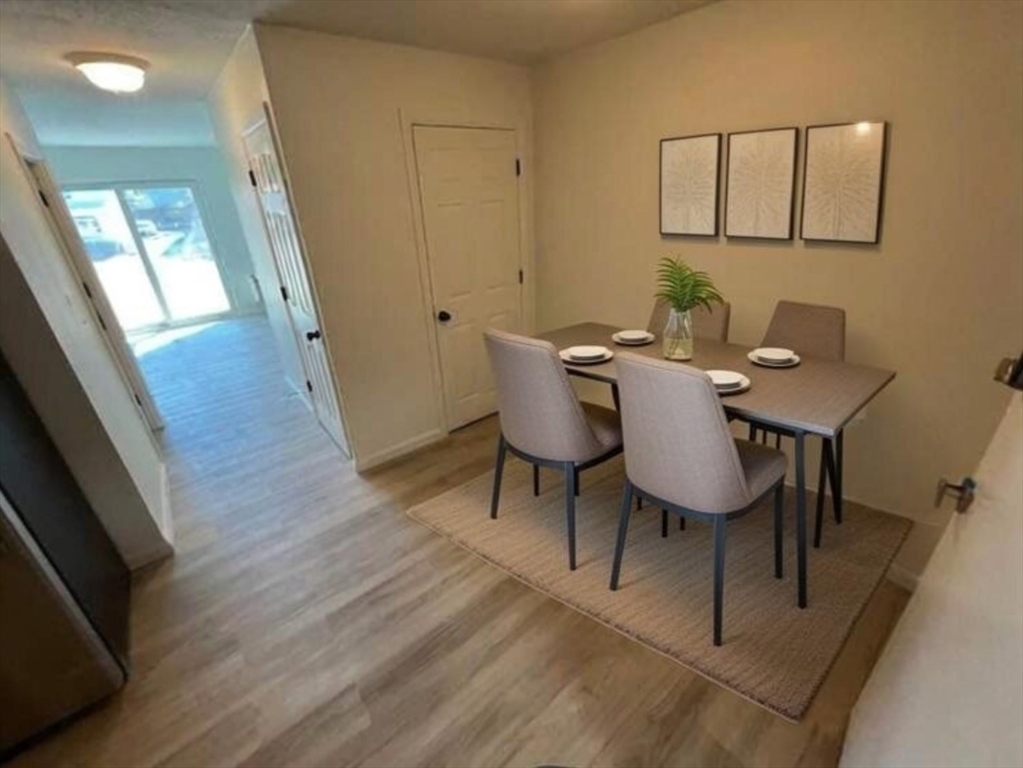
(111, 71)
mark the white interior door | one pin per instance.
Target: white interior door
(63, 226)
(468, 184)
(285, 245)
(948, 689)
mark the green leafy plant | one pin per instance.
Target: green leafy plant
(683, 288)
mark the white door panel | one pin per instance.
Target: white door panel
(286, 248)
(469, 191)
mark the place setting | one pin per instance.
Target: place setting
(637, 338)
(586, 355)
(729, 382)
(773, 357)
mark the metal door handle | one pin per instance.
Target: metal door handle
(313, 335)
(962, 493)
(443, 315)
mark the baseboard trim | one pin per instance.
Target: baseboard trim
(363, 463)
(903, 577)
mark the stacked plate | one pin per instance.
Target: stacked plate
(633, 338)
(586, 355)
(774, 357)
(729, 382)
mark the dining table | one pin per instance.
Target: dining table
(816, 397)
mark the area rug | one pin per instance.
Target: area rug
(773, 654)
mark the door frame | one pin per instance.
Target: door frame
(407, 122)
(90, 289)
(118, 187)
(266, 117)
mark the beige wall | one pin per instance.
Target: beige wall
(940, 300)
(61, 359)
(236, 103)
(343, 109)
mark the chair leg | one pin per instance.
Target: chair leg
(779, 522)
(576, 480)
(681, 523)
(752, 433)
(570, 493)
(623, 529)
(719, 575)
(664, 523)
(639, 503)
(777, 441)
(495, 497)
(836, 481)
(821, 482)
(536, 479)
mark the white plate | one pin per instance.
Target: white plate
(633, 338)
(792, 362)
(587, 353)
(726, 379)
(567, 358)
(746, 384)
(774, 355)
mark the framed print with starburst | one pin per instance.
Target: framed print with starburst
(690, 166)
(761, 183)
(843, 182)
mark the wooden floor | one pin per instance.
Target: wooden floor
(307, 621)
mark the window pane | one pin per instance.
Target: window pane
(100, 221)
(172, 232)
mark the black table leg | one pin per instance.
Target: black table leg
(836, 488)
(801, 514)
(614, 396)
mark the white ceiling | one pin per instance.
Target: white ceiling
(187, 43)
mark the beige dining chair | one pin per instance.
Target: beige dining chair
(707, 323)
(542, 420)
(811, 330)
(681, 457)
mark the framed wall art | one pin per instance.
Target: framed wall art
(843, 179)
(761, 183)
(690, 167)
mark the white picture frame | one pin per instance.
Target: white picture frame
(689, 185)
(843, 182)
(761, 184)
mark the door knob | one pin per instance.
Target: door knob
(313, 335)
(443, 315)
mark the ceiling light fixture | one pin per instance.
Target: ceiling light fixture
(111, 71)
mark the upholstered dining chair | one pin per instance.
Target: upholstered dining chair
(812, 330)
(543, 421)
(680, 456)
(707, 323)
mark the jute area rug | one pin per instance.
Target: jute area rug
(773, 654)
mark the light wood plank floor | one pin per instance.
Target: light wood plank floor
(307, 621)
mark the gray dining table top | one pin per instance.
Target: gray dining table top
(817, 396)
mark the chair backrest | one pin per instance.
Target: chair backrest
(707, 323)
(677, 443)
(539, 411)
(809, 329)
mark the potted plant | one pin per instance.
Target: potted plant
(682, 289)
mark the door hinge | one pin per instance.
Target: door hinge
(309, 385)
(252, 178)
(518, 167)
(284, 293)
(42, 196)
(521, 277)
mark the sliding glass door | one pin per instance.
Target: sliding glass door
(151, 251)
